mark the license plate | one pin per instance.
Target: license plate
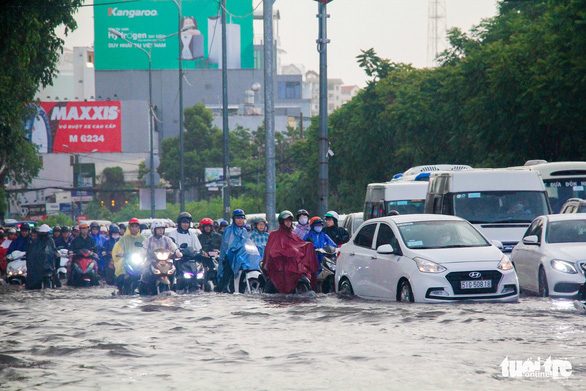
(478, 284)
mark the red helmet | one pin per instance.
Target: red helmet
(133, 220)
(206, 221)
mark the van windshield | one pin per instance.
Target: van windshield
(406, 207)
(499, 206)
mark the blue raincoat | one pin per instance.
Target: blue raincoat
(239, 250)
(319, 240)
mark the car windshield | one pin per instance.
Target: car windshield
(406, 207)
(569, 231)
(500, 206)
(440, 234)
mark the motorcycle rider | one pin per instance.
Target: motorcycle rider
(75, 231)
(40, 258)
(156, 241)
(10, 236)
(56, 232)
(124, 245)
(108, 247)
(209, 239)
(287, 258)
(21, 242)
(223, 226)
(100, 240)
(318, 238)
(83, 241)
(338, 234)
(303, 226)
(233, 235)
(259, 235)
(65, 240)
(182, 234)
(122, 228)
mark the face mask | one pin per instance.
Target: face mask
(318, 228)
(303, 220)
(115, 236)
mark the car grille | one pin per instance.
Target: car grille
(454, 278)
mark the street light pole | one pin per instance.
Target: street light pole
(269, 52)
(151, 108)
(181, 152)
(226, 128)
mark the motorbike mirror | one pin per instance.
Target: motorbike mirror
(138, 244)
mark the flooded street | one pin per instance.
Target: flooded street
(86, 339)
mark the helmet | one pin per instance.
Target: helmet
(83, 225)
(205, 221)
(11, 231)
(157, 224)
(94, 224)
(223, 223)
(56, 228)
(44, 229)
(238, 213)
(103, 229)
(333, 215)
(133, 220)
(301, 212)
(316, 220)
(114, 229)
(216, 225)
(184, 216)
(122, 225)
(285, 215)
(76, 228)
(65, 229)
(259, 220)
(25, 227)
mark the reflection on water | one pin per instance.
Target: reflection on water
(85, 338)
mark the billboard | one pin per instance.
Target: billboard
(215, 177)
(147, 22)
(65, 127)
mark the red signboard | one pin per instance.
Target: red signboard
(65, 127)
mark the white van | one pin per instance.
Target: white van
(406, 197)
(501, 203)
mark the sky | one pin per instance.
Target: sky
(395, 29)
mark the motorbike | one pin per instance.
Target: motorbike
(162, 273)
(134, 263)
(16, 268)
(83, 271)
(63, 260)
(193, 271)
(247, 277)
(325, 279)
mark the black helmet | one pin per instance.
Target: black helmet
(56, 229)
(65, 229)
(94, 224)
(184, 216)
(114, 229)
(25, 227)
(285, 215)
(302, 212)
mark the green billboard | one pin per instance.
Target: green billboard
(148, 22)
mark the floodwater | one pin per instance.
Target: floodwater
(78, 339)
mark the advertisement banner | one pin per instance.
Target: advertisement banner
(156, 22)
(215, 177)
(66, 127)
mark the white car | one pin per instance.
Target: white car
(551, 258)
(424, 258)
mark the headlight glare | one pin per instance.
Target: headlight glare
(426, 266)
(505, 263)
(563, 266)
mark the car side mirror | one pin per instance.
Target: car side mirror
(531, 240)
(385, 249)
(498, 244)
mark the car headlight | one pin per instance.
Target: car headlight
(426, 266)
(505, 263)
(563, 266)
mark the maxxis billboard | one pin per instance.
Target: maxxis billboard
(65, 127)
(143, 22)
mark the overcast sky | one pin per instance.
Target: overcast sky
(396, 29)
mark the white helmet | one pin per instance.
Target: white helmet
(157, 224)
(333, 214)
(44, 229)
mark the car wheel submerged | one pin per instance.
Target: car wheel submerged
(543, 289)
(345, 288)
(405, 292)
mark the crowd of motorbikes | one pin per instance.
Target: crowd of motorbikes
(191, 273)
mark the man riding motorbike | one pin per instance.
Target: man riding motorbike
(40, 259)
(259, 234)
(21, 242)
(126, 244)
(100, 240)
(209, 239)
(157, 241)
(108, 247)
(318, 238)
(82, 242)
(303, 227)
(182, 234)
(338, 234)
(289, 262)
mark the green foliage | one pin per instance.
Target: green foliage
(59, 219)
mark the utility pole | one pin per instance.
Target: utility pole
(181, 152)
(323, 143)
(226, 128)
(269, 78)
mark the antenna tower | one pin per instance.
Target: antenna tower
(436, 30)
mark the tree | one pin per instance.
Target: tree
(29, 52)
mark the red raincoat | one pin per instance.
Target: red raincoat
(287, 258)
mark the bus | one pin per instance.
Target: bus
(406, 197)
(563, 180)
